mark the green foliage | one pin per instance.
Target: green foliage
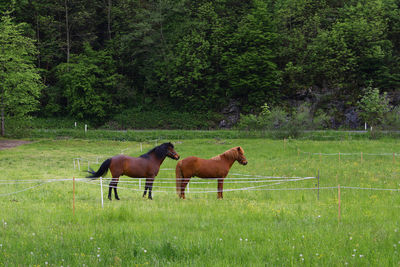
(20, 81)
(321, 120)
(392, 118)
(203, 54)
(373, 106)
(163, 119)
(248, 122)
(88, 84)
(251, 71)
(284, 123)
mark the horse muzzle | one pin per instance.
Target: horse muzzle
(244, 163)
(175, 156)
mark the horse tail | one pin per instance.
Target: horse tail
(101, 171)
(179, 176)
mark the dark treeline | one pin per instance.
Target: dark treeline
(100, 58)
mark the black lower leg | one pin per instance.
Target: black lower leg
(115, 193)
(145, 191)
(109, 192)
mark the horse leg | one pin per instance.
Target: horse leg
(145, 189)
(113, 184)
(184, 183)
(220, 187)
(150, 186)
(115, 189)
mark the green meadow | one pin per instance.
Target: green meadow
(281, 222)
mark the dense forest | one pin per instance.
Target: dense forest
(102, 60)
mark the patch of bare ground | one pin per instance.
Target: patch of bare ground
(6, 143)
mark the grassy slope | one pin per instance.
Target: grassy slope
(263, 227)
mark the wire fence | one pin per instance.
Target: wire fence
(163, 185)
(351, 154)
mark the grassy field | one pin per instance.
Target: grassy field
(283, 227)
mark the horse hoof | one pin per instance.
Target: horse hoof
(117, 198)
(150, 198)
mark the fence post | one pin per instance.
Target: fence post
(339, 203)
(361, 157)
(140, 183)
(394, 158)
(73, 195)
(318, 186)
(101, 190)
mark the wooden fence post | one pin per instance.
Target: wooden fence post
(339, 204)
(318, 186)
(101, 190)
(73, 196)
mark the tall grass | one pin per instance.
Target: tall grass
(247, 228)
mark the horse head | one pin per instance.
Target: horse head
(240, 156)
(171, 153)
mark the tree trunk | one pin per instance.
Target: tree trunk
(109, 19)
(67, 29)
(3, 132)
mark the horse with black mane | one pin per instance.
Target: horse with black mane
(214, 168)
(146, 166)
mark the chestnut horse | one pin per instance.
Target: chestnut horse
(145, 166)
(216, 167)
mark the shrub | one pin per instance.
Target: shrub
(248, 122)
(392, 118)
(321, 120)
(373, 106)
(163, 119)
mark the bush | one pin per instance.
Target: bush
(321, 120)
(17, 127)
(392, 119)
(248, 122)
(277, 120)
(163, 119)
(373, 106)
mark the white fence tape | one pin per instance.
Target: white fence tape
(350, 154)
(170, 189)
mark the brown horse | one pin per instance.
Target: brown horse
(216, 167)
(145, 166)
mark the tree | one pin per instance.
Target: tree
(89, 84)
(373, 106)
(252, 73)
(20, 80)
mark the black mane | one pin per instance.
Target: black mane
(160, 151)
